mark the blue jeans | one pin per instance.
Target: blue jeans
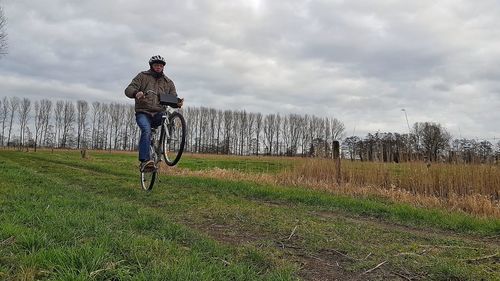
(146, 122)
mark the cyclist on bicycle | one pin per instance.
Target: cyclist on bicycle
(145, 88)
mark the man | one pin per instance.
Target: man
(146, 88)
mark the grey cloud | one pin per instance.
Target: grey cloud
(356, 60)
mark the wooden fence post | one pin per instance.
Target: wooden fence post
(336, 155)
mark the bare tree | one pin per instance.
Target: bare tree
(50, 137)
(24, 111)
(116, 115)
(103, 126)
(258, 130)
(109, 128)
(292, 132)
(58, 114)
(277, 126)
(202, 129)
(4, 112)
(42, 113)
(243, 120)
(191, 115)
(98, 119)
(211, 130)
(82, 108)
(219, 121)
(269, 132)
(68, 121)
(13, 105)
(311, 129)
(235, 129)
(96, 106)
(45, 111)
(129, 136)
(228, 119)
(197, 119)
(3, 33)
(250, 131)
(336, 131)
(286, 137)
(304, 135)
(38, 122)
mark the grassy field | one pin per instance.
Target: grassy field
(67, 218)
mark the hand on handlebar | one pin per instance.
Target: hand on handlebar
(180, 102)
(140, 95)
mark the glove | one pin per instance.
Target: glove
(139, 95)
(180, 102)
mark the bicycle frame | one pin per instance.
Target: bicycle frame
(164, 133)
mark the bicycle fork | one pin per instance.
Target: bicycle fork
(164, 136)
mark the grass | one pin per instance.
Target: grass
(66, 218)
(59, 231)
(247, 164)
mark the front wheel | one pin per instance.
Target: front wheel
(174, 138)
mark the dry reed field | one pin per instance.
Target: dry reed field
(472, 189)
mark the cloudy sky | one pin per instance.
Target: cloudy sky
(359, 61)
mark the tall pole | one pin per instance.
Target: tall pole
(407, 123)
(409, 134)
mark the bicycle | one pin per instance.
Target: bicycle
(167, 140)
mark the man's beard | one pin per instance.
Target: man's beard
(157, 74)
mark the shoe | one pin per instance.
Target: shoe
(147, 166)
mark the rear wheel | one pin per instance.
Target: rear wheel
(174, 138)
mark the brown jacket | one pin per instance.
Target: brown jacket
(152, 87)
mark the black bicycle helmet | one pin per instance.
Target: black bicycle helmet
(157, 59)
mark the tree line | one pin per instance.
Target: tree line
(426, 141)
(112, 126)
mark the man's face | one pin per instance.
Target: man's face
(158, 67)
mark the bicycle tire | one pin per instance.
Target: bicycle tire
(173, 147)
(148, 178)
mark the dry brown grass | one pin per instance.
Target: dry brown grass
(471, 189)
(441, 180)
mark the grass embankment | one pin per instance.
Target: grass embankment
(62, 217)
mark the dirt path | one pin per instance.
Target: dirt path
(332, 264)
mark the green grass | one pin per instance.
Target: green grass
(243, 164)
(63, 232)
(65, 218)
